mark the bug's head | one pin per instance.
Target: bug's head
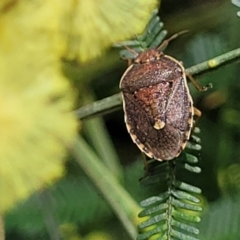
(150, 55)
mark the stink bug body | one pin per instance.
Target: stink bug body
(157, 104)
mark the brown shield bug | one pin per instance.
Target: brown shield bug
(157, 103)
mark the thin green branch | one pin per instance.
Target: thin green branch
(171, 176)
(44, 199)
(2, 235)
(215, 63)
(97, 134)
(118, 198)
(100, 107)
(114, 102)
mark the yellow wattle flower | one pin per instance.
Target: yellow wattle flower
(97, 25)
(36, 102)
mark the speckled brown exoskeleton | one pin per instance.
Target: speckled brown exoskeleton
(157, 103)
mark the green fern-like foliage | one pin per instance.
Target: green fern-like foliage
(172, 213)
(151, 38)
(237, 3)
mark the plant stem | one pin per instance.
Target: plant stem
(48, 215)
(100, 107)
(215, 63)
(96, 132)
(114, 102)
(2, 234)
(118, 198)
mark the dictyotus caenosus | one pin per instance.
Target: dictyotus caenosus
(157, 104)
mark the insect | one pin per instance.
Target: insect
(157, 103)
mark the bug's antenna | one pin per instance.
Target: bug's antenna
(166, 42)
(130, 50)
(130, 61)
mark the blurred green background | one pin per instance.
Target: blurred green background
(75, 206)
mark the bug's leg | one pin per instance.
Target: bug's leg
(147, 165)
(166, 42)
(196, 84)
(198, 114)
(130, 62)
